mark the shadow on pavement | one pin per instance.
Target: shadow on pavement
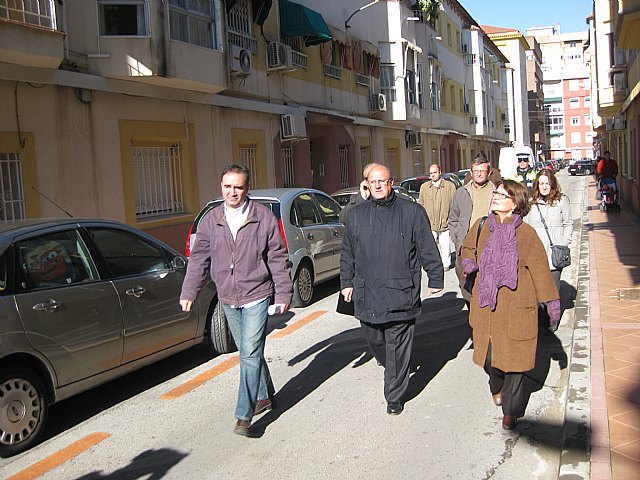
(150, 465)
(440, 334)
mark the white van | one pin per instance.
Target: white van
(509, 157)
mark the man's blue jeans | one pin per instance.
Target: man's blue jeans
(249, 329)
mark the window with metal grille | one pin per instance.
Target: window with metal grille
(192, 21)
(287, 166)
(388, 81)
(34, 12)
(343, 154)
(240, 26)
(248, 159)
(157, 176)
(365, 156)
(422, 98)
(122, 17)
(391, 160)
(11, 190)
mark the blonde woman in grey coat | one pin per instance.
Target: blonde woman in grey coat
(549, 202)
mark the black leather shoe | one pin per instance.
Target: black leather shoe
(394, 408)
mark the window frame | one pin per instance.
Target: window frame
(142, 18)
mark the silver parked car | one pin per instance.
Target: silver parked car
(343, 196)
(81, 303)
(309, 223)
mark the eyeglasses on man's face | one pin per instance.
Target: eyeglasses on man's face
(480, 172)
(500, 195)
(379, 182)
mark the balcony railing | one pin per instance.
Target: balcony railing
(243, 40)
(41, 13)
(299, 60)
(332, 71)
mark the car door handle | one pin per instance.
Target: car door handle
(135, 291)
(49, 306)
(310, 236)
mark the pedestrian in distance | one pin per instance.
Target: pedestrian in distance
(240, 245)
(513, 277)
(386, 243)
(436, 196)
(524, 173)
(470, 202)
(361, 196)
(607, 167)
(549, 204)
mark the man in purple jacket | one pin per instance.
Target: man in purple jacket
(240, 243)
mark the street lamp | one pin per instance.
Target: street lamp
(346, 22)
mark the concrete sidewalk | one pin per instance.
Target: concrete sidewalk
(614, 316)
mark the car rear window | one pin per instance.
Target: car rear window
(272, 205)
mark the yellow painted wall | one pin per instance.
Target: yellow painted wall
(143, 133)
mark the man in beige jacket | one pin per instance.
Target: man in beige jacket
(435, 197)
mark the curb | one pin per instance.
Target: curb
(575, 458)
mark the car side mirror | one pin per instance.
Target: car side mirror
(179, 263)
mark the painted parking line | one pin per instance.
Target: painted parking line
(204, 377)
(52, 461)
(298, 325)
(228, 364)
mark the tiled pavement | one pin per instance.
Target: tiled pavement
(614, 241)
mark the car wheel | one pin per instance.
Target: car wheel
(219, 335)
(23, 410)
(303, 286)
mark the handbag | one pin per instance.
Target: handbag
(471, 277)
(346, 308)
(560, 254)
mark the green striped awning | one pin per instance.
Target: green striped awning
(299, 21)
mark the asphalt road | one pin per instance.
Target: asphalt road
(331, 420)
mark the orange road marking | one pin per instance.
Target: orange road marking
(58, 458)
(204, 377)
(298, 325)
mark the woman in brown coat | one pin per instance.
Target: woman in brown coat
(513, 277)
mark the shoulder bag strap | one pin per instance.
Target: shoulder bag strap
(475, 251)
(545, 225)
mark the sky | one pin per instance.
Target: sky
(523, 14)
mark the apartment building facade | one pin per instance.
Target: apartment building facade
(129, 110)
(567, 93)
(535, 97)
(615, 81)
(514, 46)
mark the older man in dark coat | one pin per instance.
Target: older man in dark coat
(386, 243)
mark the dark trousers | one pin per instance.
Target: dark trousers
(511, 384)
(390, 344)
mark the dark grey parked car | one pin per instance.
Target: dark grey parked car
(81, 303)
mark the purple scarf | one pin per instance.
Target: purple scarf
(499, 260)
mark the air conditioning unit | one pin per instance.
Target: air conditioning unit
(619, 123)
(279, 56)
(473, 119)
(240, 60)
(412, 138)
(619, 83)
(293, 126)
(378, 102)
(609, 124)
